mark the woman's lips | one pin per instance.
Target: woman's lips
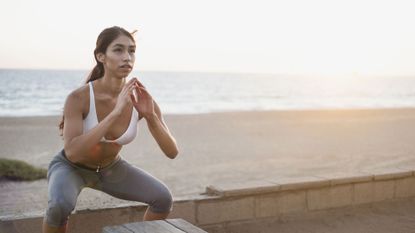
(126, 67)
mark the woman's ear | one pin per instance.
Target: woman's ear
(101, 57)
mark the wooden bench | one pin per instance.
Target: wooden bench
(176, 225)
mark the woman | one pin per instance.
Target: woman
(99, 118)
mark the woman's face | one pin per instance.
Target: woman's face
(120, 57)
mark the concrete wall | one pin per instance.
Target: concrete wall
(247, 201)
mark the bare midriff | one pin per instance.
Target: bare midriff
(101, 155)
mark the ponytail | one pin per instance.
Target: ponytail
(96, 73)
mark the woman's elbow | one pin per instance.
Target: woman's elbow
(70, 153)
(173, 153)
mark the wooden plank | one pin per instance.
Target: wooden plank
(158, 226)
(116, 229)
(167, 227)
(142, 227)
(185, 226)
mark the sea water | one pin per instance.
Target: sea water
(43, 92)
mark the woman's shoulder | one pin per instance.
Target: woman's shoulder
(78, 97)
(80, 93)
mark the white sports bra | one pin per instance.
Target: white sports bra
(91, 120)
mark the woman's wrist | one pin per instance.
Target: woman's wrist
(116, 113)
(151, 118)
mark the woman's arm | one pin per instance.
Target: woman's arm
(149, 109)
(161, 133)
(77, 144)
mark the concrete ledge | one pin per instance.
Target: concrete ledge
(346, 178)
(280, 203)
(390, 174)
(217, 211)
(405, 187)
(330, 197)
(254, 200)
(298, 183)
(242, 188)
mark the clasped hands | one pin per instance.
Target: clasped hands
(141, 99)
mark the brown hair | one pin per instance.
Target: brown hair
(105, 38)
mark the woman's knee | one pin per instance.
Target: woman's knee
(163, 202)
(58, 212)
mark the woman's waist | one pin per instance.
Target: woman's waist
(95, 162)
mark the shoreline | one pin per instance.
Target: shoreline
(253, 110)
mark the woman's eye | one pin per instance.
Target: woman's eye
(132, 51)
(117, 50)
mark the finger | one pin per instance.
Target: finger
(133, 91)
(133, 99)
(135, 80)
(126, 87)
(140, 84)
(141, 90)
(132, 80)
(137, 88)
(129, 86)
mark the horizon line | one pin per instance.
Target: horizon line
(221, 72)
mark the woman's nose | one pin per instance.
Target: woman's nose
(127, 58)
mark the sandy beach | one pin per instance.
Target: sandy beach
(225, 147)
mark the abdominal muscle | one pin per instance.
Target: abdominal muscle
(102, 155)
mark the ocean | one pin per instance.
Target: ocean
(43, 92)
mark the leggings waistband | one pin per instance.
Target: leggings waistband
(79, 165)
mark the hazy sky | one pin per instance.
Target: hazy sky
(293, 36)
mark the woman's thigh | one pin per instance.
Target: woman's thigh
(64, 186)
(129, 182)
(64, 182)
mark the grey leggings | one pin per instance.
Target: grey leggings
(120, 179)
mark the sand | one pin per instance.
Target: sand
(226, 147)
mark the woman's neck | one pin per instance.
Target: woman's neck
(112, 85)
